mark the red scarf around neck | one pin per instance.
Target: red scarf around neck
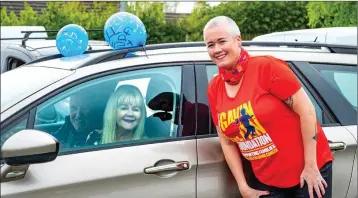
(234, 76)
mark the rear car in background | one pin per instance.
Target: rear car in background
(333, 35)
(22, 44)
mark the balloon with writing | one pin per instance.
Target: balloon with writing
(124, 30)
(72, 40)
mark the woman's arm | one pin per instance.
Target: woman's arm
(302, 105)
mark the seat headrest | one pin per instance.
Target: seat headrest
(163, 101)
(158, 84)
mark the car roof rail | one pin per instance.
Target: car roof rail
(122, 52)
(119, 54)
(333, 48)
(27, 34)
(55, 56)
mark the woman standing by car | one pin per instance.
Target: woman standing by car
(261, 111)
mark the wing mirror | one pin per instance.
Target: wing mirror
(25, 148)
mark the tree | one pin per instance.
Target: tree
(332, 14)
(252, 17)
(98, 16)
(153, 18)
(53, 17)
(28, 16)
(171, 7)
(14, 19)
(173, 33)
(194, 24)
(59, 14)
(5, 19)
(265, 17)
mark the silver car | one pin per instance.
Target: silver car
(181, 155)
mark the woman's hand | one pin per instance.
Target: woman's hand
(314, 180)
(252, 193)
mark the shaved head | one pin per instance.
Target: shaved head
(219, 21)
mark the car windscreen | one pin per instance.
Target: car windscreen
(22, 82)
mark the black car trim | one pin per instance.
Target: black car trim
(196, 123)
(196, 100)
(188, 92)
(202, 84)
(208, 136)
(337, 103)
(30, 159)
(15, 121)
(12, 124)
(333, 119)
(31, 120)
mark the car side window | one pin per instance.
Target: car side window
(343, 78)
(128, 107)
(17, 126)
(212, 71)
(13, 63)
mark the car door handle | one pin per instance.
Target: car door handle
(337, 146)
(177, 166)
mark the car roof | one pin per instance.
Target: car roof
(22, 82)
(193, 53)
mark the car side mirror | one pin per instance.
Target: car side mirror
(25, 148)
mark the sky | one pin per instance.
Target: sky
(187, 7)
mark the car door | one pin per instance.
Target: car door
(214, 176)
(162, 163)
(337, 135)
(336, 84)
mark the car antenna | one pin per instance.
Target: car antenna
(145, 51)
(315, 39)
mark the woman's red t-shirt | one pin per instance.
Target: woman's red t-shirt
(266, 130)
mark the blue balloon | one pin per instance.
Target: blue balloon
(72, 40)
(130, 54)
(124, 30)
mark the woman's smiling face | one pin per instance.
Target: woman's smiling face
(128, 115)
(224, 49)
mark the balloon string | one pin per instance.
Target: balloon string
(145, 51)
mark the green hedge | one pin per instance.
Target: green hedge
(253, 18)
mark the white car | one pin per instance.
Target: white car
(181, 155)
(333, 35)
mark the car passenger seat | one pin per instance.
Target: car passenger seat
(158, 124)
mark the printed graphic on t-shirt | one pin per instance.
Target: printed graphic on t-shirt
(240, 125)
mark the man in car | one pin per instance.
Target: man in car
(79, 123)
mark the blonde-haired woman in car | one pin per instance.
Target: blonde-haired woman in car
(123, 119)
